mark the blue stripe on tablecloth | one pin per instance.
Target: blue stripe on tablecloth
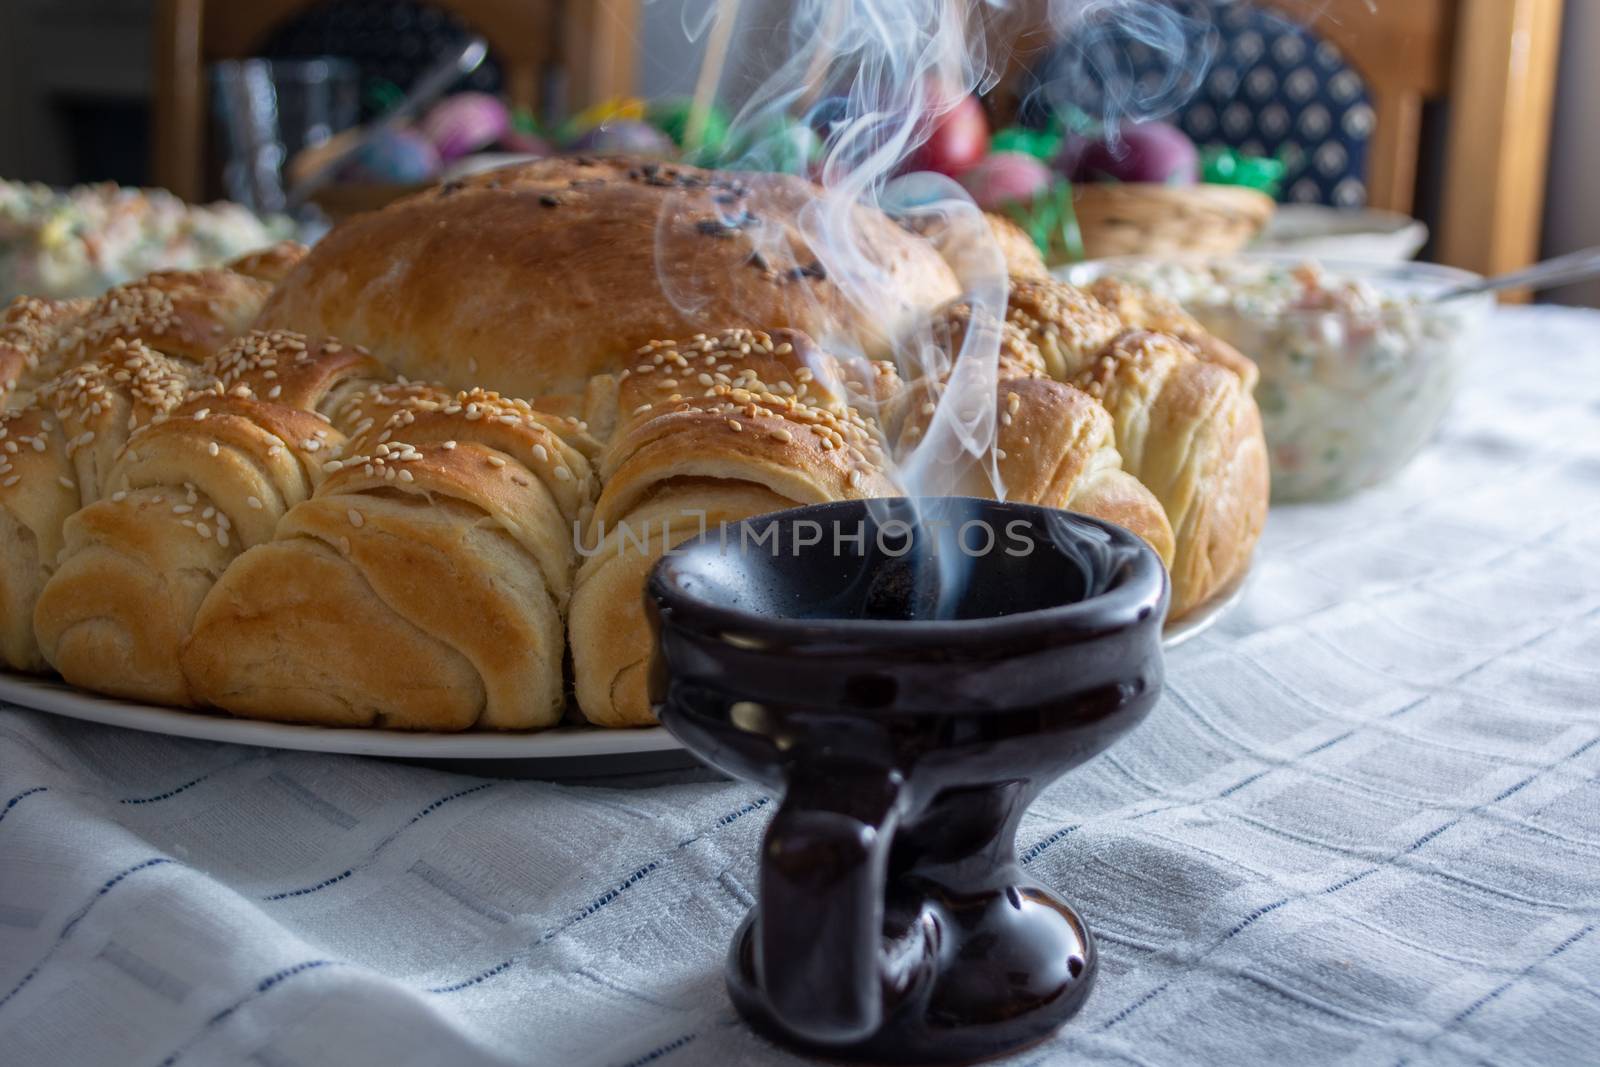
(656, 1053)
(19, 798)
(325, 883)
(78, 916)
(266, 985)
(169, 793)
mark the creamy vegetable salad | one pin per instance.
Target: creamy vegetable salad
(1357, 368)
(82, 241)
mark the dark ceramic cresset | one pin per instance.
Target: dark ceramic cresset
(912, 676)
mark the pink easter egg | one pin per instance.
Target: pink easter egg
(1006, 178)
(465, 123)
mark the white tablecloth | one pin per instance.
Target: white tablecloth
(1362, 827)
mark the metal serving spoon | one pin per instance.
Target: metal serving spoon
(1573, 267)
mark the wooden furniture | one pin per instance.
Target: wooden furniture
(1492, 62)
(591, 42)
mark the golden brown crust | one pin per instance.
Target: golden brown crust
(30, 331)
(1021, 254)
(188, 493)
(1141, 309)
(271, 264)
(277, 527)
(976, 251)
(513, 428)
(126, 386)
(254, 636)
(1069, 326)
(1019, 357)
(455, 562)
(531, 279)
(37, 496)
(308, 373)
(184, 313)
(54, 457)
(446, 530)
(1054, 446)
(711, 429)
(1191, 433)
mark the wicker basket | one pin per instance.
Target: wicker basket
(1146, 218)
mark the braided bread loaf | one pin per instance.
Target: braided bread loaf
(192, 491)
(423, 586)
(280, 527)
(56, 457)
(1184, 422)
(711, 430)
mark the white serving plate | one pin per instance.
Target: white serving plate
(567, 751)
(1322, 232)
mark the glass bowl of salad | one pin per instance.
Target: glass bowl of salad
(1358, 363)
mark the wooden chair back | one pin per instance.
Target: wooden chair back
(1494, 63)
(590, 41)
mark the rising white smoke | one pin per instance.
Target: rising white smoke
(875, 76)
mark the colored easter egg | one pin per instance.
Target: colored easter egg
(1006, 178)
(395, 157)
(465, 123)
(624, 137)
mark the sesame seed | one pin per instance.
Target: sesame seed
(13, 480)
(212, 448)
(448, 445)
(641, 409)
(333, 465)
(38, 444)
(344, 545)
(733, 424)
(496, 461)
(222, 538)
(405, 476)
(119, 496)
(181, 509)
(253, 502)
(562, 474)
(355, 518)
(783, 435)
(855, 479)
(200, 416)
(67, 483)
(202, 529)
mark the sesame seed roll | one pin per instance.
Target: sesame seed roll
(711, 429)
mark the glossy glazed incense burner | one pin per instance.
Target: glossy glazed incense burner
(912, 676)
